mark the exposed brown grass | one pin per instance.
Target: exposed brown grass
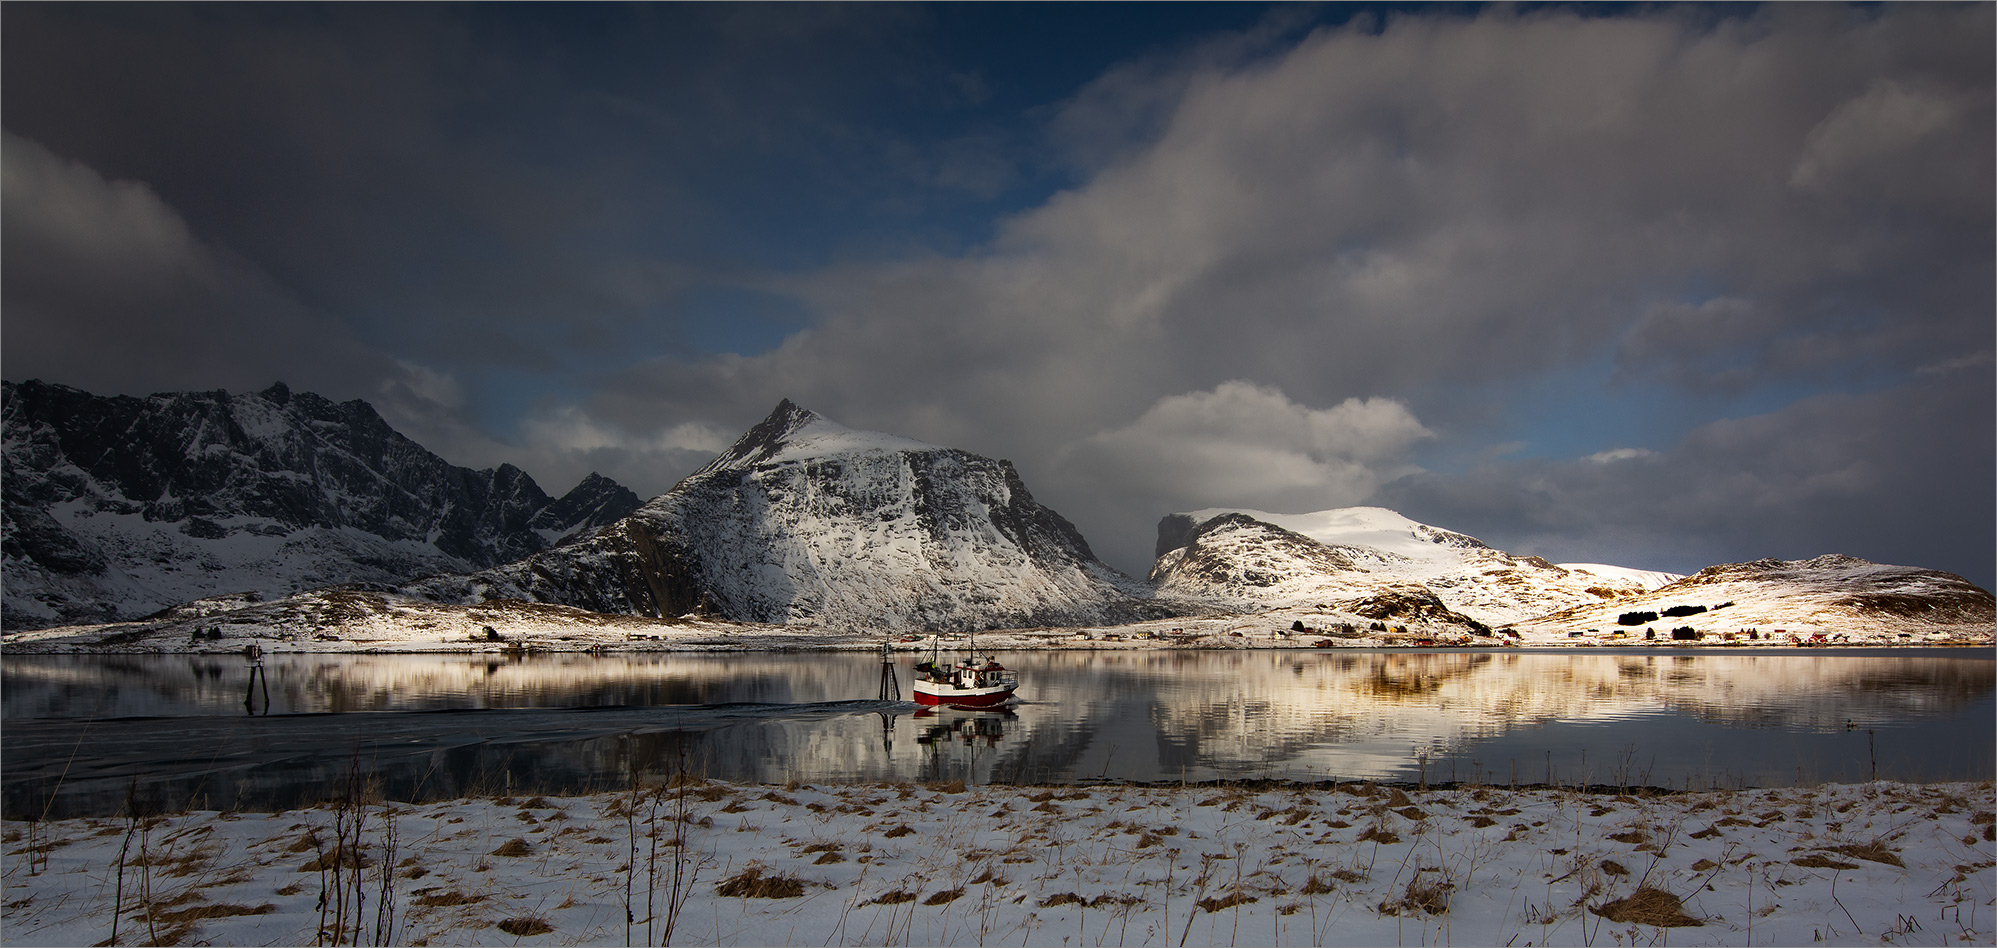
(1422, 896)
(1874, 851)
(1647, 906)
(436, 899)
(525, 925)
(898, 832)
(215, 910)
(944, 897)
(1063, 898)
(513, 847)
(342, 857)
(750, 883)
(896, 897)
(1230, 900)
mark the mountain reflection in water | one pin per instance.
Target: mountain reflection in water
(172, 729)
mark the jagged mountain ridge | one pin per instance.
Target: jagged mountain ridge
(804, 521)
(1366, 561)
(116, 507)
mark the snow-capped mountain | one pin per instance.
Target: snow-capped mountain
(1369, 562)
(117, 507)
(1829, 595)
(803, 521)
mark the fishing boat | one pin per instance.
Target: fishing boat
(967, 684)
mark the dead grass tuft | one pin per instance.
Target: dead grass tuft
(750, 883)
(1315, 886)
(525, 925)
(1615, 868)
(1383, 836)
(896, 897)
(1422, 897)
(513, 847)
(216, 910)
(1647, 906)
(342, 857)
(1874, 851)
(1230, 900)
(944, 897)
(898, 832)
(435, 899)
(1063, 898)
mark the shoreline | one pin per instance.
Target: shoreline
(718, 862)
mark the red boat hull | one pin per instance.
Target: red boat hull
(963, 699)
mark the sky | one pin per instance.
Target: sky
(1657, 286)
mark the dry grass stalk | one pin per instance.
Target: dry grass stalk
(1647, 906)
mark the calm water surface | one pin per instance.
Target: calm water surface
(82, 734)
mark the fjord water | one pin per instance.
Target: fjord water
(93, 732)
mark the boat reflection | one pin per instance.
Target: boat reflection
(943, 726)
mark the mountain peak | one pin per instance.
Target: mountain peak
(795, 433)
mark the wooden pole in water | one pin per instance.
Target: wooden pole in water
(890, 685)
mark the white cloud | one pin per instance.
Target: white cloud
(1886, 118)
(1619, 454)
(1241, 444)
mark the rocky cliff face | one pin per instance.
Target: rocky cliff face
(1364, 561)
(803, 521)
(117, 507)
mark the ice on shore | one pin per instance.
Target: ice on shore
(1070, 865)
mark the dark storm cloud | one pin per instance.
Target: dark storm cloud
(1444, 232)
(1439, 212)
(107, 288)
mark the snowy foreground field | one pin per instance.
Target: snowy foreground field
(717, 863)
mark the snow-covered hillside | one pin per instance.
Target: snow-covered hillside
(118, 507)
(1830, 595)
(1370, 562)
(803, 521)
